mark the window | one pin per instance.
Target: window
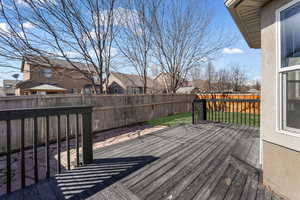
(47, 72)
(8, 86)
(289, 67)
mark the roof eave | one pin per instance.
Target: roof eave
(232, 8)
(242, 28)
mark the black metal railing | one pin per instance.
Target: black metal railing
(82, 115)
(238, 111)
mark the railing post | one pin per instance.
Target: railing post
(200, 105)
(204, 110)
(193, 112)
(87, 138)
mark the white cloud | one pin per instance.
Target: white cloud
(232, 51)
(28, 25)
(4, 27)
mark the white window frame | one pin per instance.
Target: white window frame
(279, 77)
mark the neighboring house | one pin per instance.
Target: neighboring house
(253, 91)
(9, 87)
(187, 90)
(163, 83)
(51, 76)
(119, 83)
(274, 26)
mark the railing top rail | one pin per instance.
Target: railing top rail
(229, 100)
(13, 114)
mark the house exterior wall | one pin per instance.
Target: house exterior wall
(280, 152)
(116, 84)
(115, 88)
(26, 72)
(69, 79)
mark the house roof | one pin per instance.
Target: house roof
(31, 84)
(246, 14)
(47, 87)
(51, 62)
(132, 80)
(185, 90)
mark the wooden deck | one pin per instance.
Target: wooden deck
(205, 161)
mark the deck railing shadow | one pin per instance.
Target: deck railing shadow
(86, 181)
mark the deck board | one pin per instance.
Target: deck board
(188, 162)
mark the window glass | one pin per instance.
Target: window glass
(290, 40)
(292, 99)
(47, 73)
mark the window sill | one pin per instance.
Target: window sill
(288, 133)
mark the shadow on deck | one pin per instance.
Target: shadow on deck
(204, 161)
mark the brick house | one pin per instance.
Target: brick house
(51, 76)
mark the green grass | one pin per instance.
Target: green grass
(172, 120)
(186, 118)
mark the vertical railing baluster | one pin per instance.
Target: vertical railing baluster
(22, 163)
(233, 111)
(249, 113)
(47, 148)
(219, 112)
(223, 107)
(229, 110)
(259, 113)
(58, 144)
(8, 156)
(239, 111)
(68, 142)
(77, 140)
(254, 117)
(225, 110)
(245, 112)
(215, 110)
(35, 156)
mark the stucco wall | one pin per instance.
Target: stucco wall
(279, 172)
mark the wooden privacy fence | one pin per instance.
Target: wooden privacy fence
(48, 115)
(228, 105)
(109, 111)
(240, 111)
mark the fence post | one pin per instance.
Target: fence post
(87, 138)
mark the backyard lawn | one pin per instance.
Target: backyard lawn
(186, 118)
(172, 120)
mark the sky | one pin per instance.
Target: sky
(238, 53)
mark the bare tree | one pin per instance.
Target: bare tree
(238, 77)
(185, 37)
(73, 30)
(211, 75)
(223, 80)
(257, 85)
(135, 41)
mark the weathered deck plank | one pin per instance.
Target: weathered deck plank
(205, 161)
